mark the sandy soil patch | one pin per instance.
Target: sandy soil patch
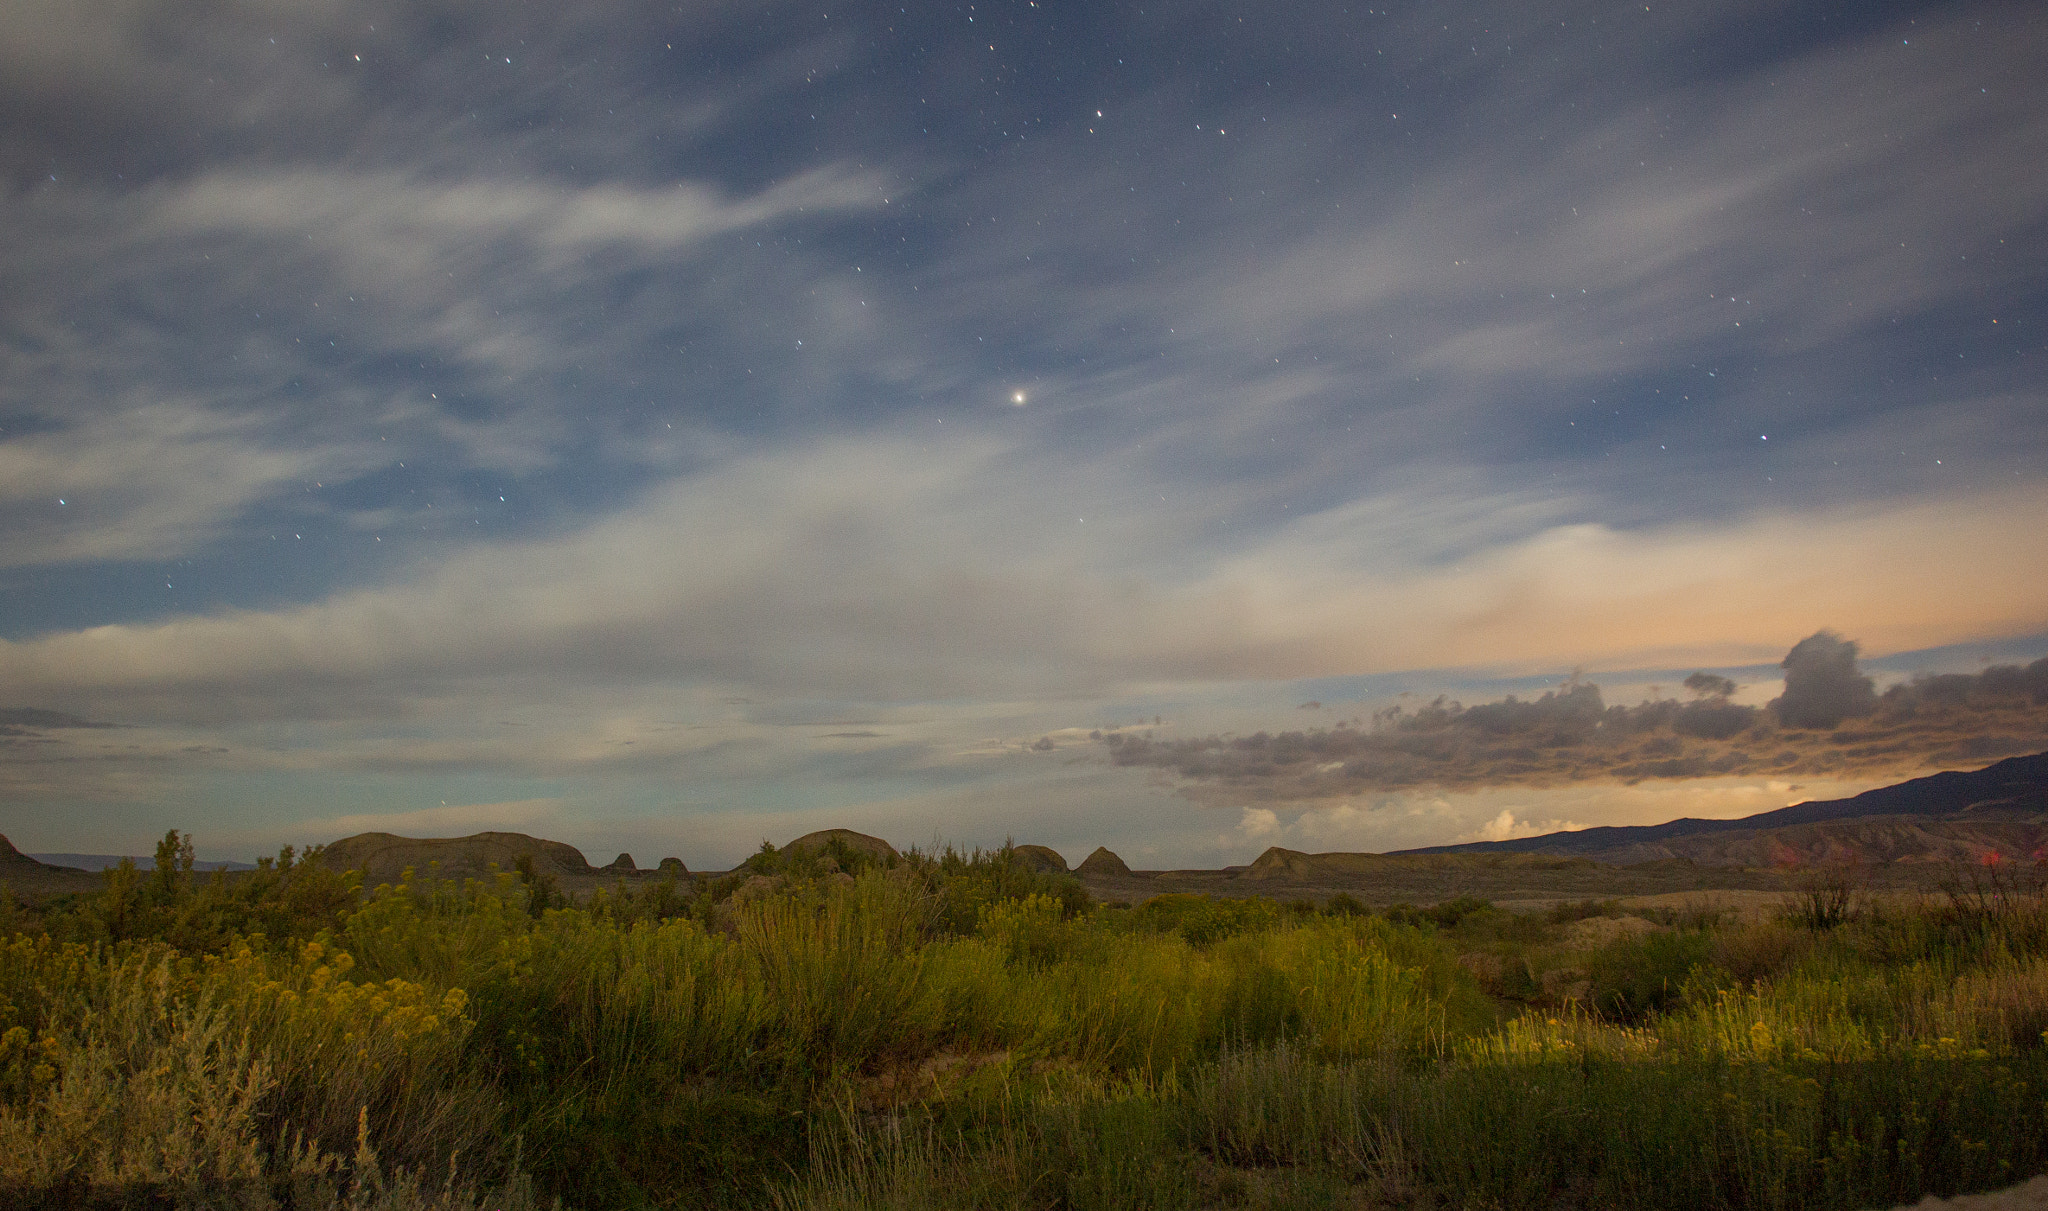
(2027, 1196)
(1595, 932)
(1743, 904)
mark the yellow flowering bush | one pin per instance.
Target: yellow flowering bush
(40, 980)
(1569, 1035)
(311, 999)
(1033, 929)
(339, 1044)
(28, 1065)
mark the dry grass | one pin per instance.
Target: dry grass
(917, 1039)
(148, 1079)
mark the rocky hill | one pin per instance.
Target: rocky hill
(384, 857)
(2001, 809)
(859, 843)
(24, 876)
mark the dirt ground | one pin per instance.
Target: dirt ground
(1521, 886)
(2027, 1196)
(1747, 893)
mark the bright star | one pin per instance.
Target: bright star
(1017, 398)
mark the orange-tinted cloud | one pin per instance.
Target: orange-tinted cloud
(1570, 736)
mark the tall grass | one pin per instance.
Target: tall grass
(832, 1030)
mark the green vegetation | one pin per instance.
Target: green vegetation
(827, 1029)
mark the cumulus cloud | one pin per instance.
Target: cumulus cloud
(1822, 684)
(1710, 685)
(1570, 735)
(1383, 821)
(1506, 827)
(1348, 434)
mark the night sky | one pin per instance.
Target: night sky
(664, 427)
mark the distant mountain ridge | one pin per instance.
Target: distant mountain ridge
(2001, 808)
(142, 862)
(22, 873)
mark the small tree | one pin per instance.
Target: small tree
(173, 873)
(120, 903)
(1827, 896)
(541, 890)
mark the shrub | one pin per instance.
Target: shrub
(1633, 978)
(1203, 919)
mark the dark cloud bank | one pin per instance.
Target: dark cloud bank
(1831, 721)
(32, 722)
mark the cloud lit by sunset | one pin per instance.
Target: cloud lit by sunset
(667, 429)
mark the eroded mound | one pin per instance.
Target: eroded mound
(1102, 862)
(384, 857)
(1040, 858)
(859, 843)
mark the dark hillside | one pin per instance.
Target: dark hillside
(2014, 790)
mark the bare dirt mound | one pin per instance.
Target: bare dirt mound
(384, 857)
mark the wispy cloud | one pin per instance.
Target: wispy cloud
(491, 392)
(155, 479)
(413, 225)
(523, 815)
(883, 571)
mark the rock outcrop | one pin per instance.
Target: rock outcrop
(1040, 859)
(859, 843)
(384, 857)
(14, 861)
(26, 876)
(1102, 862)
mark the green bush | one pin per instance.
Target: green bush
(1205, 919)
(1633, 978)
(959, 1030)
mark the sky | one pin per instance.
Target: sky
(665, 427)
